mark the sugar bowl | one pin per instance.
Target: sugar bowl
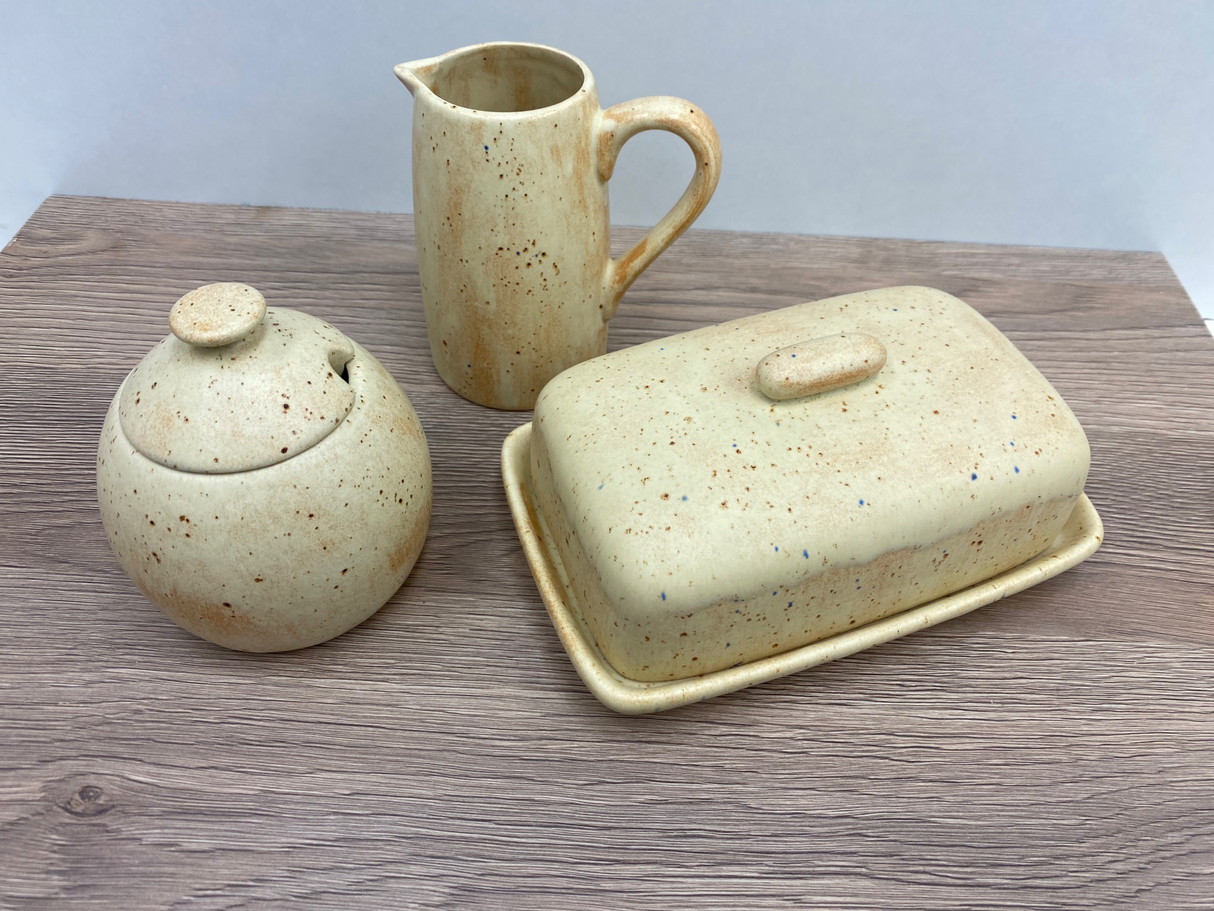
(261, 477)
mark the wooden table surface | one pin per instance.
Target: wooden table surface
(1053, 750)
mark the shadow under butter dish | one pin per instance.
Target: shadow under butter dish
(703, 525)
(277, 503)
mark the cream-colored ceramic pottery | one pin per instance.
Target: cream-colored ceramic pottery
(262, 478)
(511, 159)
(732, 504)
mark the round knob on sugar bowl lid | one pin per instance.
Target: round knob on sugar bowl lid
(217, 314)
(237, 386)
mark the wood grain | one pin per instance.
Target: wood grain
(1054, 750)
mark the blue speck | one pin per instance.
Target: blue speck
(973, 476)
(518, 252)
(735, 445)
(1017, 467)
(684, 498)
(790, 604)
(861, 502)
(794, 355)
(728, 644)
(601, 485)
(805, 554)
(737, 612)
(1012, 443)
(777, 550)
(775, 593)
(895, 309)
(1013, 417)
(857, 588)
(663, 596)
(486, 148)
(661, 349)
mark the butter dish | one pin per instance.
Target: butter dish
(728, 505)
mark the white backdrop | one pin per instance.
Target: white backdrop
(1060, 123)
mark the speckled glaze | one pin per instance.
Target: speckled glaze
(702, 524)
(511, 159)
(1078, 540)
(262, 478)
(819, 365)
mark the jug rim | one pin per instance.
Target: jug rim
(411, 72)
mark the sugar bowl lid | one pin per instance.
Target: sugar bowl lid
(237, 386)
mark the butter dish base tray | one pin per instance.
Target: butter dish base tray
(1079, 538)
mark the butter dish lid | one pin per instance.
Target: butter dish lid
(237, 386)
(694, 467)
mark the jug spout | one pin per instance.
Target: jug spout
(417, 73)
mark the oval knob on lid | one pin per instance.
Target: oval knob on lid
(819, 365)
(217, 314)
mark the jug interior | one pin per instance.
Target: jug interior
(506, 78)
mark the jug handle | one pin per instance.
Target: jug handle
(620, 123)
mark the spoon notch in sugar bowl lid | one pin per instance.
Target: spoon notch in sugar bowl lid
(238, 385)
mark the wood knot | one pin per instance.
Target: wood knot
(88, 802)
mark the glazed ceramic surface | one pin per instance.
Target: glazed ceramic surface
(704, 523)
(262, 478)
(1077, 541)
(511, 159)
